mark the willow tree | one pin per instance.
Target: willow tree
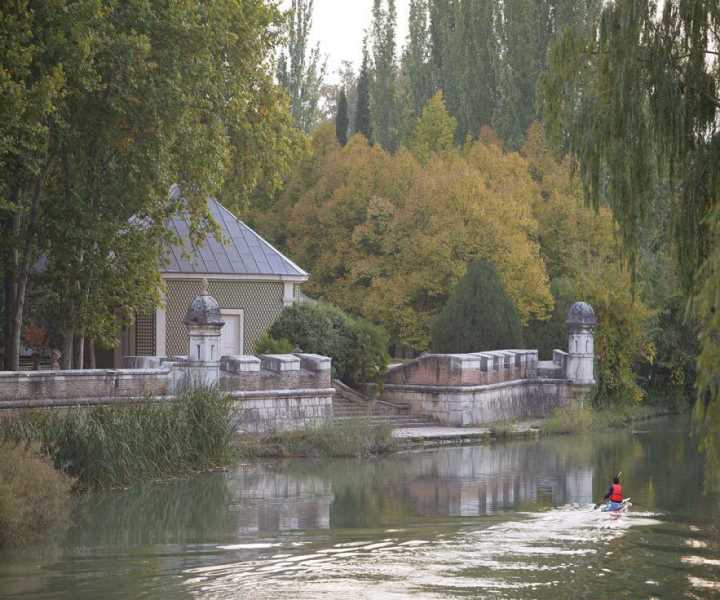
(638, 102)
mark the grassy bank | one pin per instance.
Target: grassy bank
(34, 497)
(115, 446)
(350, 438)
(582, 420)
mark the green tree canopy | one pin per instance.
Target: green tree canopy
(108, 104)
(478, 316)
(434, 132)
(342, 121)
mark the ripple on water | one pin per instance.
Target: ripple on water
(548, 542)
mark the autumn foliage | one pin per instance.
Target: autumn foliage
(388, 236)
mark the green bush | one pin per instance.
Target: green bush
(35, 499)
(478, 316)
(357, 347)
(269, 345)
(111, 446)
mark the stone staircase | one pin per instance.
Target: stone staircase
(350, 404)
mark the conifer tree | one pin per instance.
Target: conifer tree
(363, 123)
(478, 316)
(341, 119)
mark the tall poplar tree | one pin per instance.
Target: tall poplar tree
(416, 57)
(363, 121)
(341, 119)
(383, 95)
(301, 70)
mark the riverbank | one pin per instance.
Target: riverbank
(360, 438)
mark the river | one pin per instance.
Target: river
(511, 520)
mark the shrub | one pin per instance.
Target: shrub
(478, 316)
(358, 348)
(110, 446)
(269, 345)
(35, 499)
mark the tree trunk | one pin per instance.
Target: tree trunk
(79, 362)
(91, 352)
(21, 265)
(67, 349)
(9, 288)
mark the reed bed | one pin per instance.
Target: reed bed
(357, 438)
(115, 446)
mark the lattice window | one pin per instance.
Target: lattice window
(145, 335)
(262, 302)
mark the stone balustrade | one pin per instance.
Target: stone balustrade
(271, 392)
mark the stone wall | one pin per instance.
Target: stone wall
(484, 387)
(482, 368)
(271, 392)
(481, 404)
(66, 388)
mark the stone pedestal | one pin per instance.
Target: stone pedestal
(580, 360)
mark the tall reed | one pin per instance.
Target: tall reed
(115, 446)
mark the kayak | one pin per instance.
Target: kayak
(617, 507)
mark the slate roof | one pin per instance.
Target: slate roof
(243, 252)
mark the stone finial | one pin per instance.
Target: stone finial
(204, 284)
(581, 314)
(204, 310)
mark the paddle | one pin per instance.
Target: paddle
(599, 504)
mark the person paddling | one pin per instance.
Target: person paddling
(615, 494)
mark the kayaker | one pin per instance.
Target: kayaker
(615, 495)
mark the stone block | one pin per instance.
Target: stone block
(314, 362)
(141, 362)
(280, 363)
(240, 364)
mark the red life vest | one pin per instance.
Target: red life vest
(616, 494)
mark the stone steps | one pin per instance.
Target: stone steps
(395, 421)
(347, 402)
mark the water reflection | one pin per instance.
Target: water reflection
(512, 520)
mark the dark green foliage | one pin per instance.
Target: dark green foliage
(358, 348)
(478, 316)
(672, 374)
(363, 123)
(269, 345)
(114, 446)
(342, 121)
(384, 107)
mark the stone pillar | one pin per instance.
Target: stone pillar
(581, 323)
(204, 325)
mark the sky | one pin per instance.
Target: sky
(339, 26)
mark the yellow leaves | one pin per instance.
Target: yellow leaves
(388, 238)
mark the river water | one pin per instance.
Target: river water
(511, 520)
